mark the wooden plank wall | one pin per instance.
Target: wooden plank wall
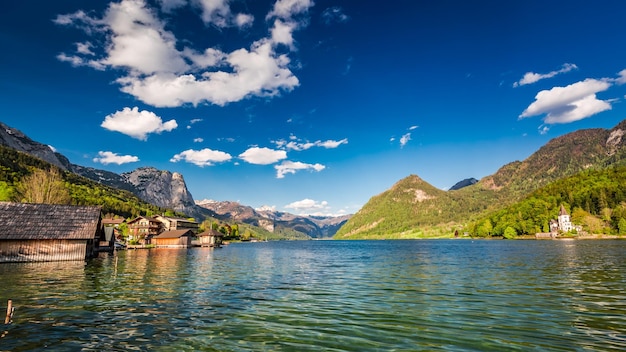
(172, 242)
(42, 250)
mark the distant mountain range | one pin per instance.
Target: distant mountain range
(412, 208)
(463, 183)
(313, 226)
(168, 190)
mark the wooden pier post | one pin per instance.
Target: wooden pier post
(7, 320)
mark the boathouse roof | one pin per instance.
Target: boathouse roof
(175, 234)
(26, 221)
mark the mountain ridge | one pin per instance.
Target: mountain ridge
(166, 189)
(389, 215)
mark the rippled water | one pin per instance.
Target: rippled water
(456, 295)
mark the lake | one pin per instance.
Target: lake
(424, 295)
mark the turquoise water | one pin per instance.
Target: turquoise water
(444, 295)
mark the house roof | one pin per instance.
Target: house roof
(170, 218)
(26, 221)
(211, 233)
(175, 234)
(562, 211)
(109, 221)
(150, 219)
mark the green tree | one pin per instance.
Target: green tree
(621, 226)
(6, 191)
(43, 186)
(123, 229)
(510, 233)
(485, 228)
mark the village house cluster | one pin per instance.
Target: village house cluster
(54, 232)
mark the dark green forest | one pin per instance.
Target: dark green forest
(595, 199)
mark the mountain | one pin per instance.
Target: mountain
(17, 140)
(463, 183)
(273, 221)
(168, 190)
(413, 208)
(163, 188)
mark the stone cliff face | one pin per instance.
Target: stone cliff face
(17, 140)
(162, 188)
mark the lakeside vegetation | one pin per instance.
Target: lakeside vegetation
(595, 199)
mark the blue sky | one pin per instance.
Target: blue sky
(309, 106)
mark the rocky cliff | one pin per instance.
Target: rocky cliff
(161, 187)
(17, 140)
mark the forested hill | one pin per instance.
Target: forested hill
(596, 200)
(400, 213)
(15, 165)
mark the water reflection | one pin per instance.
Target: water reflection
(326, 295)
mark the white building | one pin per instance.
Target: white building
(564, 221)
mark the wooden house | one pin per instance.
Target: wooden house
(172, 223)
(48, 232)
(174, 239)
(210, 238)
(143, 228)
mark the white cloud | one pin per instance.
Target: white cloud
(330, 144)
(243, 20)
(113, 158)
(139, 41)
(296, 144)
(198, 140)
(622, 77)
(137, 124)
(307, 204)
(215, 12)
(405, 139)
(286, 9)
(531, 77)
(192, 122)
(169, 5)
(262, 156)
(159, 71)
(266, 208)
(204, 157)
(571, 103)
(255, 73)
(543, 129)
(281, 33)
(84, 48)
(413, 128)
(334, 14)
(313, 208)
(291, 167)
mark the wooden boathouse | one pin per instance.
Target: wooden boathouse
(210, 238)
(174, 239)
(48, 232)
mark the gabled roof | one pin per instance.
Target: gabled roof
(211, 233)
(109, 221)
(25, 221)
(562, 211)
(171, 218)
(150, 219)
(175, 234)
